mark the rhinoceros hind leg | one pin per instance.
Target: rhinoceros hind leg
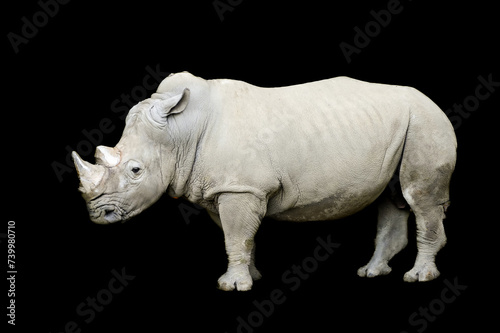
(425, 182)
(427, 164)
(427, 193)
(392, 237)
(430, 239)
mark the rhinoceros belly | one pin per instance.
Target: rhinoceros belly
(340, 204)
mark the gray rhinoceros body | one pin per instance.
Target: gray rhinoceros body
(315, 151)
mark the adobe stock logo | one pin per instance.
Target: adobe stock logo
(484, 89)
(420, 319)
(221, 7)
(31, 26)
(88, 309)
(363, 37)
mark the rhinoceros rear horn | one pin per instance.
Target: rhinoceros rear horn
(107, 156)
(90, 175)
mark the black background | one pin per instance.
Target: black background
(64, 80)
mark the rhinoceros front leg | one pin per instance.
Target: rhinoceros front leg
(254, 272)
(240, 216)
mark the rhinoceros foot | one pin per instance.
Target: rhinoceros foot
(422, 272)
(237, 277)
(373, 269)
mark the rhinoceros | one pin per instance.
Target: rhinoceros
(316, 151)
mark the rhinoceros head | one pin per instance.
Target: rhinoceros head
(130, 177)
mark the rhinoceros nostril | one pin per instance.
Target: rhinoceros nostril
(108, 212)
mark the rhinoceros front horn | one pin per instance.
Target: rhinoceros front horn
(90, 175)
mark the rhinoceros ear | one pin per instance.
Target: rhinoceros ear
(168, 105)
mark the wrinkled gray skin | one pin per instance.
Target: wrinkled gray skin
(315, 151)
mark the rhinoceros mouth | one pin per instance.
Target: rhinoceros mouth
(106, 214)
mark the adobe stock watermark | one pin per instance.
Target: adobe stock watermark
(223, 6)
(188, 209)
(292, 279)
(461, 111)
(88, 309)
(32, 25)
(425, 315)
(363, 36)
(120, 107)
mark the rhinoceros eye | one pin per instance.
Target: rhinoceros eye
(135, 169)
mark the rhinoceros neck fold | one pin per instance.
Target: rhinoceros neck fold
(182, 171)
(186, 152)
